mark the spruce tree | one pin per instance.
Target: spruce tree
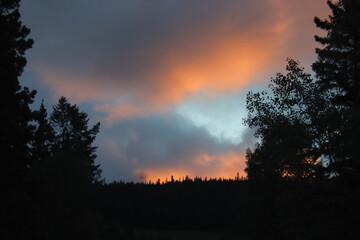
(338, 71)
(15, 128)
(72, 134)
(338, 63)
(43, 136)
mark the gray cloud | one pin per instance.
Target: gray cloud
(126, 53)
(167, 141)
(124, 44)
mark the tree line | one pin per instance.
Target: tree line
(309, 126)
(47, 162)
(302, 175)
(245, 209)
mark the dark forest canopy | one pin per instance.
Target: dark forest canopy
(337, 67)
(303, 175)
(47, 165)
(306, 123)
(15, 127)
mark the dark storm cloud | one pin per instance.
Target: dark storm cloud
(132, 51)
(89, 35)
(129, 50)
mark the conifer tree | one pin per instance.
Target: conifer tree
(338, 63)
(73, 135)
(338, 71)
(15, 128)
(43, 136)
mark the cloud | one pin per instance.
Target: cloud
(222, 117)
(167, 75)
(161, 146)
(141, 57)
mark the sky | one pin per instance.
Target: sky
(167, 79)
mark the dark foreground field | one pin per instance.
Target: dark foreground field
(148, 234)
(230, 210)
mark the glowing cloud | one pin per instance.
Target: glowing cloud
(167, 75)
(136, 66)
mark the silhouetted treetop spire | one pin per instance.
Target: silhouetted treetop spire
(338, 63)
(73, 134)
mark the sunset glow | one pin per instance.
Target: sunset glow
(227, 166)
(167, 72)
(180, 119)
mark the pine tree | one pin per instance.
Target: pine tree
(15, 128)
(43, 137)
(338, 71)
(66, 198)
(73, 135)
(338, 63)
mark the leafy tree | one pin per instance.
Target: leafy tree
(15, 127)
(73, 135)
(284, 153)
(288, 123)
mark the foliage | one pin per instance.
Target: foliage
(15, 127)
(73, 134)
(46, 171)
(292, 210)
(43, 137)
(65, 175)
(338, 72)
(337, 66)
(50, 183)
(286, 121)
(283, 154)
(65, 201)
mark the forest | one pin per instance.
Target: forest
(303, 175)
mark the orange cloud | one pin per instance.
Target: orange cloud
(215, 56)
(224, 68)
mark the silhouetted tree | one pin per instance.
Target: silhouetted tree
(73, 135)
(337, 66)
(286, 121)
(65, 201)
(44, 135)
(338, 72)
(284, 153)
(66, 198)
(15, 127)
